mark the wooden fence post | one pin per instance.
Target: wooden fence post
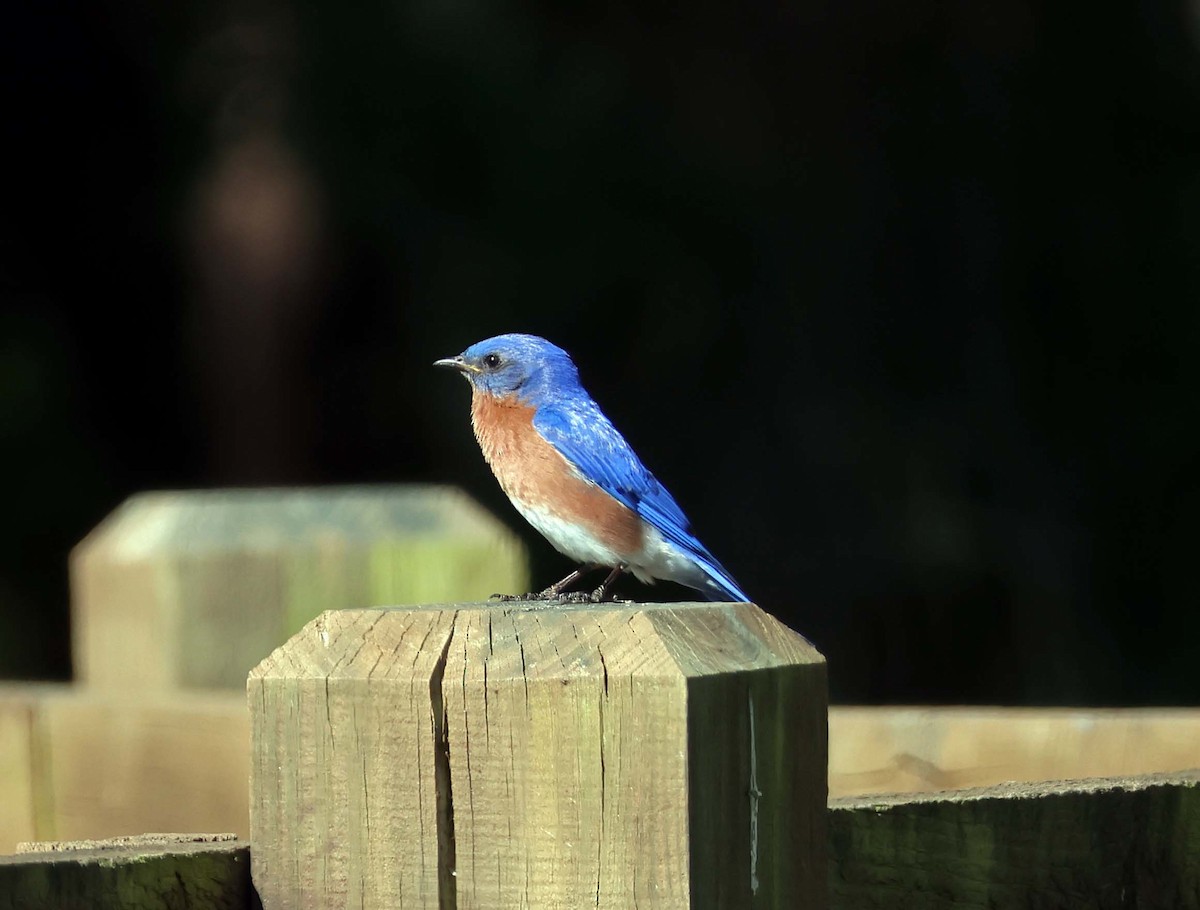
(191, 589)
(495, 756)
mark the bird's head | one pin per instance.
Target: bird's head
(523, 366)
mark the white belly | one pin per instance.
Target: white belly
(569, 538)
(656, 558)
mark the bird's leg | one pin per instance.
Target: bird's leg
(601, 593)
(559, 586)
(554, 592)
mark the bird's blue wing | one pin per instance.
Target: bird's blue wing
(589, 441)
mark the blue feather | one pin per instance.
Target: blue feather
(578, 429)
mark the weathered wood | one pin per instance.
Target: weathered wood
(192, 589)
(1117, 843)
(654, 755)
(178, 760)
(153, 872)
(148, 842)
(96, 764)
(901, 750)
(1094, 844)
(17, 808)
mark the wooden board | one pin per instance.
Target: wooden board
(1131, 842)
(17, 763)
(1114, 843)
(181, 762)
(97, 764)
(199, 872)
(899, 750)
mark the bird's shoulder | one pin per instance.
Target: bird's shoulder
(582, 433)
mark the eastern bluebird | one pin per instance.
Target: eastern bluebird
(573, 476)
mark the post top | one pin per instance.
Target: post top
(149, 524)
(561, 641)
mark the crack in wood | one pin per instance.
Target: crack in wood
(447, 890)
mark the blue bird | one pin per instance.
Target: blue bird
(573, 477)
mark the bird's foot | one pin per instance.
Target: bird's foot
(552, 593)
(550, 598)
(556, 593)
(574, 597)
(601, 596)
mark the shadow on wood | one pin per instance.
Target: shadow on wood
(1116, 843)
(153, 871)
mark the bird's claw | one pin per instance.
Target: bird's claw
(598, 596)
(557, 592)
(575, 597)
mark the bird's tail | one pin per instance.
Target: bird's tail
(719, 584)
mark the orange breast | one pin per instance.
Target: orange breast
(532, 472)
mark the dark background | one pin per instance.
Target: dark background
(900, 300)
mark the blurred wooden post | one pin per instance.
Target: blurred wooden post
(621, 755)
(119, 763)
(18, 815)
(179, 590)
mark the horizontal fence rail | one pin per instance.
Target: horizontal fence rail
(55, 740)
(1124, 842)
(1119, 843)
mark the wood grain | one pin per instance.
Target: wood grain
(1113, 843)
(344, 791)
(113, 764)
(553, 758)
(148, 873)
(179, 759)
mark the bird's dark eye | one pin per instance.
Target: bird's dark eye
(491, 361)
